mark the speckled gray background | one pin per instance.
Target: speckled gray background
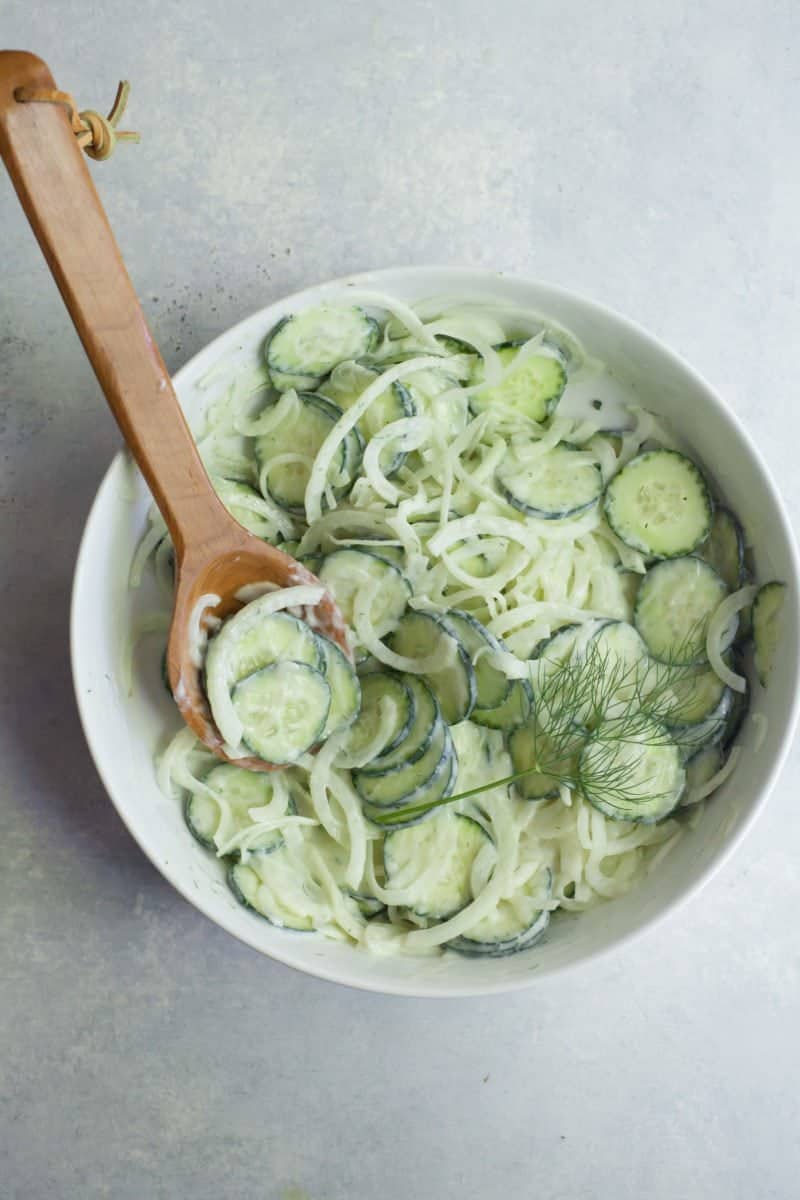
(645, 153)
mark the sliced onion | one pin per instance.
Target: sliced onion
(721, 632)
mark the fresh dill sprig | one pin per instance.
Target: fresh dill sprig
(634, 701)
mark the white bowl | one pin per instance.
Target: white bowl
(124, 729)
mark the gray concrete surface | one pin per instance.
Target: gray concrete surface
(642, 152)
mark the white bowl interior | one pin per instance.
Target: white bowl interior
(126, 725)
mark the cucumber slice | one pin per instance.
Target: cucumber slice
(345, 688)
(514, 710)
(618, 660)
(552, 486)
(532, 746)
(367, 543)
(740, 707)
(275, 887)
(437, 788)
(337, 860)
(201, 815)
(345, 572)
(565, 644)
(704, 766)
(612, 593)
(374, 689)
(767, 608)
(213, 820)
(432, 863)
(481, 755)
(659, 504)
(420, 635)
(345, 386)
(283, 709)
(385, 819)
(400, 785)
(745, 629)
(415, 742)
(303, 348)
(556, 674)
(692, 738)
(686, 696)
(492, 686)
(391, 554)
(246, 506)
(632, 771)
(455, 345)
(630, 581)
(303, 434)
(514, 925)
(676, 600)
(399, 346)
(385, 550)
(245, 644)
(533, 388)
(395, 555)
(425, 389)
(723, 549)
(248, 642)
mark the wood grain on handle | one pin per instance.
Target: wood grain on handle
(216, 557)
(55, 188)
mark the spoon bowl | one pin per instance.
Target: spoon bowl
(212, 583)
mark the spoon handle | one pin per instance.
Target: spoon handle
(55, 188)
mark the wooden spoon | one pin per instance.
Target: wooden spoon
(214, 555)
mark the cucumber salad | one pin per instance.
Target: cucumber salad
(553, 623)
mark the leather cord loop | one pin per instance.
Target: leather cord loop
(96, 134)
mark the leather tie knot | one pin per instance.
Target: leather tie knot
(96, 134)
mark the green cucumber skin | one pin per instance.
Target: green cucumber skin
(524, 941)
